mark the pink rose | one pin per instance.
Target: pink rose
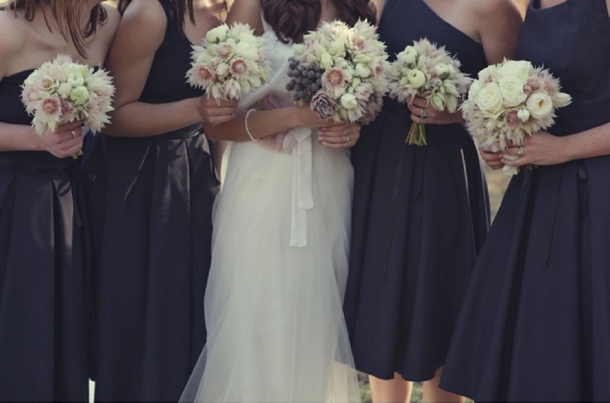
(324, 105)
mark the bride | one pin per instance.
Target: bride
(273, 304)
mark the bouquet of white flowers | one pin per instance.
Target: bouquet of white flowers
(230, 62)
(341, 72)
(62, 91)
(429, 72)
(509, 101)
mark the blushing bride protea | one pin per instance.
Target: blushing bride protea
(340, 71)
(430, 72)
(62, 91)
(510, 101)
(230, 62)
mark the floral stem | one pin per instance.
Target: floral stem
(417, 135)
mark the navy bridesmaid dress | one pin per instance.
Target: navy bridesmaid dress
(43, 328)
(151, 206)
(420, 215)
(535, 324)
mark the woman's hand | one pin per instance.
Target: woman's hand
(213, 113)
(540, 149)
(492, 159)
(432, 116)
(65, 141)
(344, 136)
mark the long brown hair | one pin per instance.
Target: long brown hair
(181, 9)
(291, 19)
(67, 14)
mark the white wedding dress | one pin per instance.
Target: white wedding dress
(273, 305)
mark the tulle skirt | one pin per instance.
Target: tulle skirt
(273, 311)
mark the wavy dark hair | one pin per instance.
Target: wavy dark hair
(291, 19)
(67, 14)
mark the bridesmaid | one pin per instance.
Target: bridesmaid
(156, 186)
(420, 213)
(43, 347)
(535, 323)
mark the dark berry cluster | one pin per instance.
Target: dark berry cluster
(305, 80)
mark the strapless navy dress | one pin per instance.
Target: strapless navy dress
(151, 208)
(420, 215)
(43, 323)
(535, 324)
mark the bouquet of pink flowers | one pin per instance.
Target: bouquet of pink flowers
(509, 101)
(230, 62)
(62, 91)
(429, 72)
(341, 72)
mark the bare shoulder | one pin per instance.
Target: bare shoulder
(246, 11)
(143, 24)
(145, 13)
(497, 10)
(114, 17)
(12, 39)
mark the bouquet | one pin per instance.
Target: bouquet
(62, 91)
(230, 62)
(429, 72)
(340, 72)
(509, 101)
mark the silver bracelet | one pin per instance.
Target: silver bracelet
(247, 128)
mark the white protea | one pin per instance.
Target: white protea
(62, 91)
(346, 68)
(230, 62)
(509, 101)
(428, 71)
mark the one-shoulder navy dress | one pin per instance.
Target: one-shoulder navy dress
(152, 207)
(420, 215)
(535, 324)
(43, 328)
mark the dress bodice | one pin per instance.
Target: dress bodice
(13, 111)
(572, 40)
(166, 81)
(405, 21)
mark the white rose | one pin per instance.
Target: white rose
(512, 91)
(488, 73)
(490, 100)
(540, 105)
(76, 79)
(408, 56)
(217, 34)
(524, 115)
(79, 95)
(416, 78)
(348, 101)
(517, 69)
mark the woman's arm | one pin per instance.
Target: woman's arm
(546, 149)
(140, 34)
(379, 6)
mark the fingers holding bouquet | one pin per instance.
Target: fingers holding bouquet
(215, 112)
(423, 112)
(65, 141)
(345, 135)
(541, 149)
